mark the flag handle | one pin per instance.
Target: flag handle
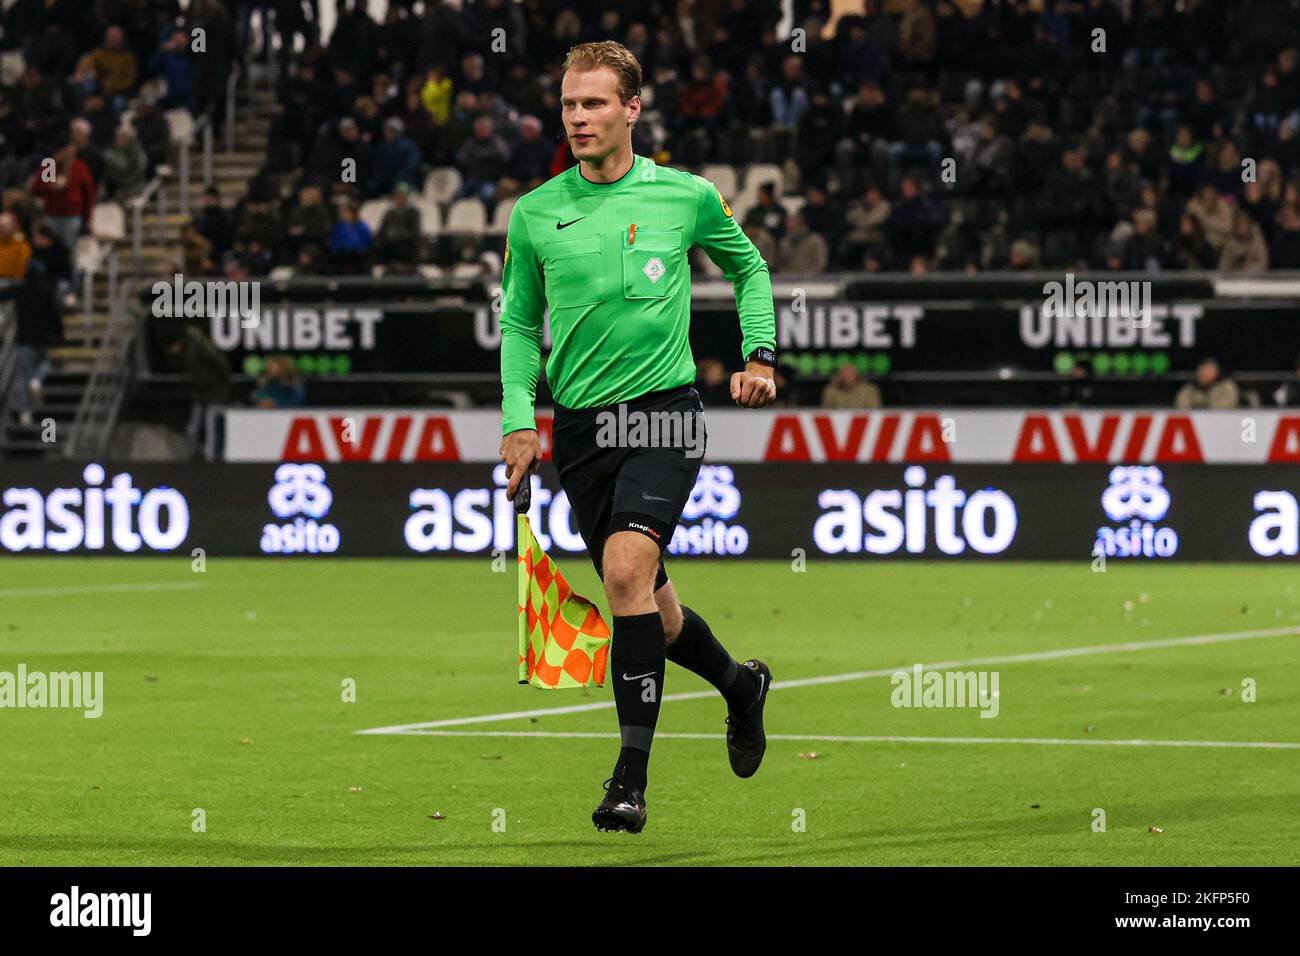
(523, 497)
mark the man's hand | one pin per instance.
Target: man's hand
(754, 387)
(522, 452)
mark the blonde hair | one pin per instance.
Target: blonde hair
(590, 56)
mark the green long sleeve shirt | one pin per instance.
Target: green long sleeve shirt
(610, 262)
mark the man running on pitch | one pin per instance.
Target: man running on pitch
(604, 245)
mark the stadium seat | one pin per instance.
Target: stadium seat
(759, 173)
(441, 184)
(372, 213)
(429, 270)
(722, 176)
(792, 204)
(108, 221)
(467, 270)
(88, 255)
(501, 217)
(430, 216)
(280, 273)
(180, 125)
(466, 216)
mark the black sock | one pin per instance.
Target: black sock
(698, 650)
(637, 656)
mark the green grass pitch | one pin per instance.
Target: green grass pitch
(223, 692)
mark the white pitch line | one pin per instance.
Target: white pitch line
(99, 589)
(861, 675)
(886, 739)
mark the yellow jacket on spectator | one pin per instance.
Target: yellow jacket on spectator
(436, 97)
(115, 70)
(14, 255)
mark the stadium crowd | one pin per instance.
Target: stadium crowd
(919, 135)
(1151, 135)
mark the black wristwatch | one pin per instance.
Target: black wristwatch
(763, 357)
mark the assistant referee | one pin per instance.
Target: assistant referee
(604, 245)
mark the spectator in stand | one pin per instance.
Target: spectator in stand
(1214, 215)
(280, 386)
(914, 222)
(419, 125)
(1144, 251)
(340, 151)
(921, 130)
(1285, 248)
(209, 372)
(398, 242)
(767, 213)
(801, 251)
(214, 224)
(151, 130)
(397, 160)
(350, 241)
(81, 135)
(790, 96)
(849, 390)
(113, 66)
(530, 161)
(40, 326)
(1210, 389)
(1190, 250)
(821, 216)
(67, 191)
(172, 62)
(54, 256)
(435, 94)
(199, 255)
(1069, 209)
(258, 235)
(310, 221)
(865, 222)
(482, 163)
(1186, 165)
(1245, 249)
(126, 167)
(212, 68)
(15, 251)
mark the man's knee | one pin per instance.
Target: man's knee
(628, 572)
(671, 614)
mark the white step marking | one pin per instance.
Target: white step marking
(100, 589)
(1057, 654)
(887, 739)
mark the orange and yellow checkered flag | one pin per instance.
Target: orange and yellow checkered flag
(563, 640)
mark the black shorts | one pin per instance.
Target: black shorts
(619, 478)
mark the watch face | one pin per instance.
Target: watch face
(766, 356)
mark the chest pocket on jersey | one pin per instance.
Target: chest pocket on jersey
(653, 264)
(572, 268)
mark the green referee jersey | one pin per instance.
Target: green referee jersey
(610, 262)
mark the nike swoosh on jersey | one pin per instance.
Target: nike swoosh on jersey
(566, 225)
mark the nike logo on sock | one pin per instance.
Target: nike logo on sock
(649, 497)
(639, 676)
